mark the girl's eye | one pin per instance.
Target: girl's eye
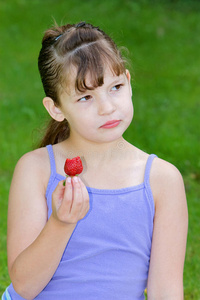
(85, 98)
(116, 87)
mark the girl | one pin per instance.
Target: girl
(121, 225)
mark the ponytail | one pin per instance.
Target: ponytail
(56, 132)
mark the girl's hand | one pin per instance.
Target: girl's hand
(70, 203)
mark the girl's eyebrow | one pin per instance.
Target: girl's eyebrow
(76, 93)
(119, 78)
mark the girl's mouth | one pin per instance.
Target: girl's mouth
(110, 124)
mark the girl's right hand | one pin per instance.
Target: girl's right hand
(70, 203)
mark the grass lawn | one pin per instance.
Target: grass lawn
(163, 39)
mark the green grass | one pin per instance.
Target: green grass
(163, 38)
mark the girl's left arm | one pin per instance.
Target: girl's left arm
(165, 280)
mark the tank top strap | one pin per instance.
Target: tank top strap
(53, 168)
(148, 168)
(52, 159)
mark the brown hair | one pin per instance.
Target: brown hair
(83, 46)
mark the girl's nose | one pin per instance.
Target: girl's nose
(106, 106)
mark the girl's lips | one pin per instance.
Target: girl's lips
(111, 124)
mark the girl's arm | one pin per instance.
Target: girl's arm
(35, 245)
(165, 279)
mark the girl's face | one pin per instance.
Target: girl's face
(102, 114)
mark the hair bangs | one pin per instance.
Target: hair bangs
(90, 62)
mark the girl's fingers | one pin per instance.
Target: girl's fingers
(70, 202)
(77, 197)
(68, 196)
(59, 191)
(81, 200)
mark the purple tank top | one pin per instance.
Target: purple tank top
(108, 254)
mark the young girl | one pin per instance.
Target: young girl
(121, 225)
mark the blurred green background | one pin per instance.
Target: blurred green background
(163, 41)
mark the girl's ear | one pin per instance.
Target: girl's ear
(53, 110)
(128, 75)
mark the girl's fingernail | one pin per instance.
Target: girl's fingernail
(75, 179)
(69, 179)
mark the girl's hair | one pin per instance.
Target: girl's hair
(82, 47)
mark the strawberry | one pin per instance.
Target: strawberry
(73, 166)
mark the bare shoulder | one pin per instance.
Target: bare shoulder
(163, 171)
(38, 157)
(32, 172)
(34, 163)
(162, 168)
(166, 181)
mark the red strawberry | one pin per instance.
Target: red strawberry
(73, 166)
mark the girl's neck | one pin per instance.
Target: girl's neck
(95, 152)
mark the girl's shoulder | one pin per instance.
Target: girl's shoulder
(37, 158)
(166, 181)
(163, 171)
(163, 174)
(34, 165)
